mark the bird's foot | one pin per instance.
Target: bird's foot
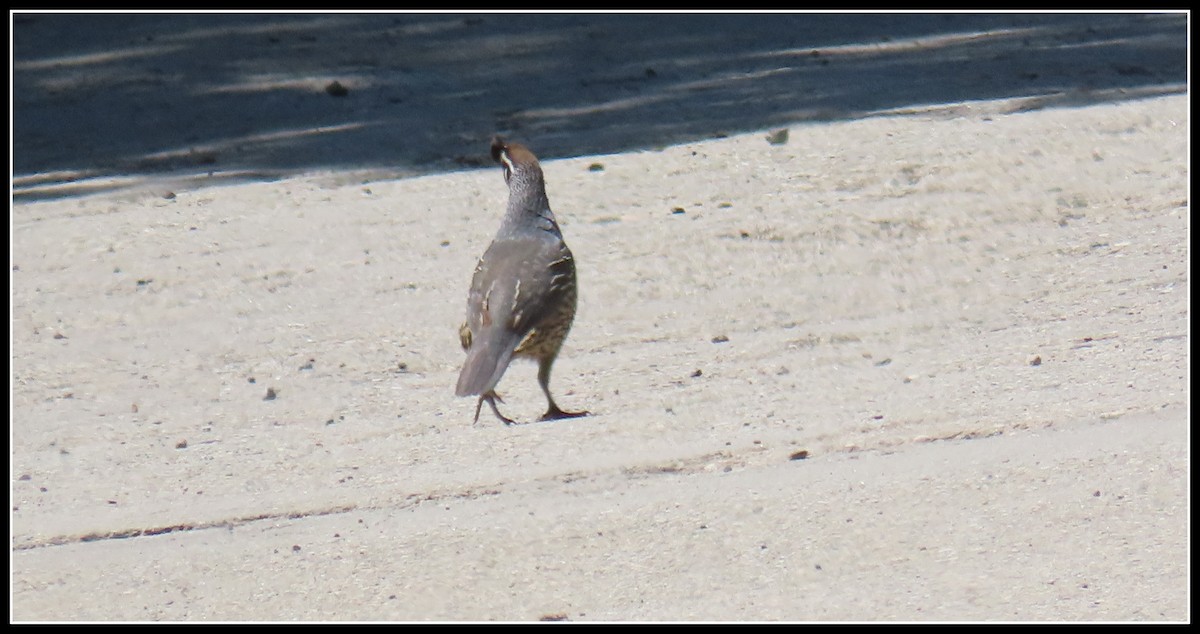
(491, 398)
(556, 414)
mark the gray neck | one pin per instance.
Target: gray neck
(528, 206)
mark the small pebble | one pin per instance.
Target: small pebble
(336, 89)
(778, 137)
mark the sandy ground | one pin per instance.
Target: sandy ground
(920, 367)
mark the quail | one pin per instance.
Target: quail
(523, 292)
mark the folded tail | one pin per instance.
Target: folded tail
(485, 364)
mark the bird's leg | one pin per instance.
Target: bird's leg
(478, 406)
(553, 412)
(491, 398)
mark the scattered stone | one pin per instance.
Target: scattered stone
(271, 394)
(697, 373)
(799, 455)
(596, 167)
(720, 339)
(778, 137)
(336, 89)
(1035, 360)
(181, 444)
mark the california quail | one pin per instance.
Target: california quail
(523, 293)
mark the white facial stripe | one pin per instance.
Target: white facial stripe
(508, 165)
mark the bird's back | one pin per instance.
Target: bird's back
(522, 282)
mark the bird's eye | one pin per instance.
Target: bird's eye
(507, 163)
